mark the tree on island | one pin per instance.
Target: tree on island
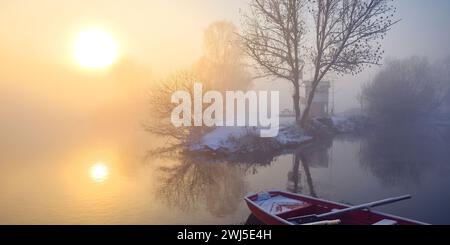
(345, 38)
(219, 68)
(274, 31)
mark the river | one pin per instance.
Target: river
(105, 178)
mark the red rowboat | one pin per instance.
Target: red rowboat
(283, 208)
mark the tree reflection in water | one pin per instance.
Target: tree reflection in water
(218, 184)
(196, 182)
(402, 155)
(316, 154)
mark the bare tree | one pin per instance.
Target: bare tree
(347, 34)
(222, 61)
(161, 107)
(345, 38)
(273, 34)
(219, 68)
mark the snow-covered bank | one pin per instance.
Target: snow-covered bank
(239, 140)
(244, 140)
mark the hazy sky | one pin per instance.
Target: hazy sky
(423, 30)
(165, 35)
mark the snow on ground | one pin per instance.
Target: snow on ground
(291, 135)
(247, 139)
(220, 138)
(231, 139)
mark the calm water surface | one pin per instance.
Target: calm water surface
(98, 176)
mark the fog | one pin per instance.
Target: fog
(58, 118)
(40, 82)
(422, 31)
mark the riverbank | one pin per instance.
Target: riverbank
(234, 141)
(247, 140)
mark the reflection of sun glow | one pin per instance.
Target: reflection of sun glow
(95, 48)
(99, 172)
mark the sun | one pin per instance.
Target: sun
(95, 48)
(99, 172)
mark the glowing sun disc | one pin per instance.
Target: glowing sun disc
(99, 172)
(95, 48)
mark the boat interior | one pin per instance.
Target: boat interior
(290, 209)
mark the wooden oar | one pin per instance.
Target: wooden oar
(325, 222)
(319, 217)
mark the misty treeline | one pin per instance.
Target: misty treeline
(409, 91)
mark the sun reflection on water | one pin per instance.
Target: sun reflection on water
(99, 172)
